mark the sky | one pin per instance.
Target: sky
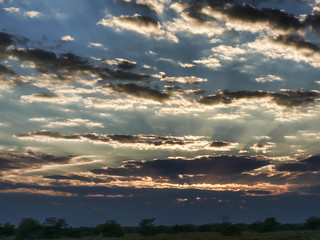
(191, 111)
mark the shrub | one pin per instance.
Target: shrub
(28, 228)
(111, 229)
(146, 227)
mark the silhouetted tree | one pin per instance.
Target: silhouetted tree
(269, 225)
(147, 227)
(54, 227)
(111, 229)
(313, 223)
(28, 228)
(230, 230)
(7, 229)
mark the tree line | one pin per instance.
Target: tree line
(54, 228)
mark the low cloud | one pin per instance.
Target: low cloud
(140, 141)
(286, 98)
(139, 91)
(144, 25)
(67, 38)
(32, 14)
(30, 160)
(248, 18)
(308, 164)
(186, 80)
(220, 165)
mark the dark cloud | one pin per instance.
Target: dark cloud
(65, 64)
(124, 64)
(171, 168)
(76, 177)
(45, 95)
(276, 18)
(292, 98)
(140, 91)
(5, 40)
(121, 75)
(287, 98)
(220, 144)
(121, 138)
(29, 160)
(308, 164)
(4, 70)
(313, 21)
(297, 41)
(143, 21)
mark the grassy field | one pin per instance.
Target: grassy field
(283, 235)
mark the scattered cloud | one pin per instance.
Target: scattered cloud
(12, 9)
(32, 14)
(140, 141)
(144, 25)
(286, 98)
(269, 78)
(139, 91)
(67, 38)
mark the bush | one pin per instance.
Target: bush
(313, 223)
(28, 228)
(111, 229)
(269, 225)
(230, 230)
(146, 227)
(54, 227)
(7, 229)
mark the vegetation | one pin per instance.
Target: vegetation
(58, 228)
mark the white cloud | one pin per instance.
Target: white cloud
(186, 65)
(67, 38)
(12, 9)
(209, 62)
(32, 14)
(93, 44)
(188, 80)
(268, 78)
(155, 5)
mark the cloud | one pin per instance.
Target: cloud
(30, 160)
(286, 98)
(291, 47)
(97, 45)
(144, 25)
(39, 191)
(121, 63)
(32, 14)
(269, 78)
(66, 64)
(139, 91)
(75, 177)
(309, 164)
(297, 42)
(209, 62)
(67, 38)
(313, 21)
(71, 122)
(173, 168)
(5, 41)
(12, 9)
(154, 5)
(140, 141)
(248, 18)
(50, 98)
(263, 147)
(186, 80)
(4, 71)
